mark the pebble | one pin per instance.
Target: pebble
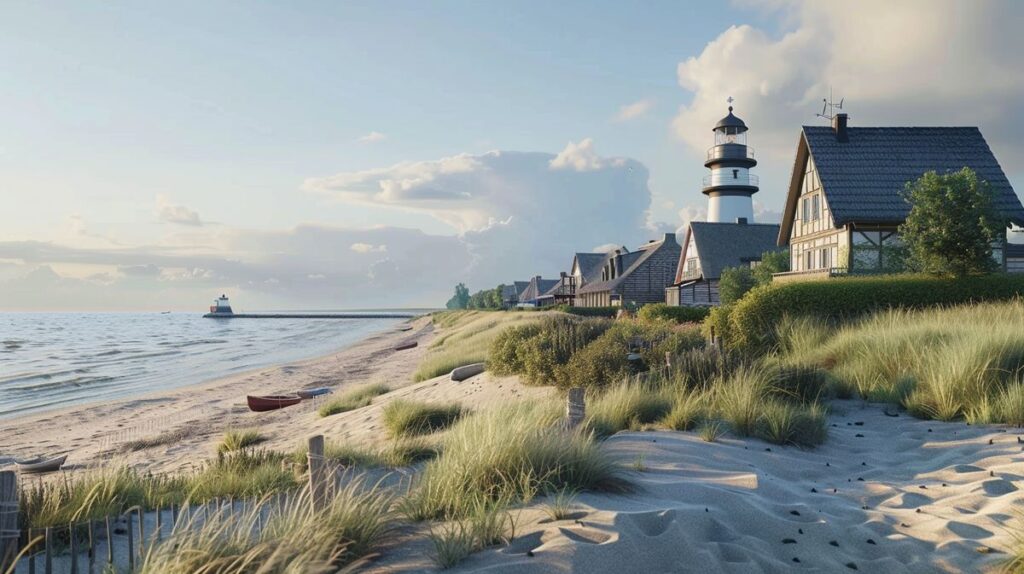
(788, 541)
(794, 513)
(833, 543)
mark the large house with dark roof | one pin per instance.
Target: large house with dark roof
(532, 296)
(632, 278)
(711, 247)
(844, 204)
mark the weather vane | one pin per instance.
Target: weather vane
(730, 100)
(830, 106)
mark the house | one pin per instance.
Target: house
(535, 289)
(510, 293)
(844, 204)
(729, 238)
(709, 248)
(634, 278)
(586, 268)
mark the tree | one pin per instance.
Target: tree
(771, 262)
(734, 283)
(952, 224)
(461, 298)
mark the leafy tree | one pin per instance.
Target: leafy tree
(461, 298)
(771, 262)
(734, 283)
(952, 224)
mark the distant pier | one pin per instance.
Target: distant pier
(310, 315)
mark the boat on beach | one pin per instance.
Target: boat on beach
(404, 346)
(259, 404)
(310, 393)
(39, 464)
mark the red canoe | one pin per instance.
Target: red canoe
(272, 402)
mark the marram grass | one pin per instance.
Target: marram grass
(405, 418)
(350, 400)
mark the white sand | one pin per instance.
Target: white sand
(729, 506)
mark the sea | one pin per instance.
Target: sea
(54, 360)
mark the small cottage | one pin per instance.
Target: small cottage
(711, 247)
(532, 295)
(844, 205)
(633, 278)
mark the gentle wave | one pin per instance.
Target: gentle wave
(53, 360)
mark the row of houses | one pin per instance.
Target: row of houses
(842, 214)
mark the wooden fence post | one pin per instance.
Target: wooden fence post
(317, 471)
(9, 533)
(575, 406)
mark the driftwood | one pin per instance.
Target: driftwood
(465, 372)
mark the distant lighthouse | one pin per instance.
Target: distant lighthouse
(730, 185)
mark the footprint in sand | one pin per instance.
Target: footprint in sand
(998, 487)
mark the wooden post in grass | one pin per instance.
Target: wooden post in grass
(9, 533)
(317, 472)
(575, 407)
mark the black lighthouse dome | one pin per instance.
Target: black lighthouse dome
(730, 124)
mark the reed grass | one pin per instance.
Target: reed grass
(405, 418)
(689, 409)
(162, 439)
(509, 454)
(561, 505)
(294, 538)
(399, 453)
(238, 439)
(627, 406)
(710, 431)
(956, 363)
(356, 398)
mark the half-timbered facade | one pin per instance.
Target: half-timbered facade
(844, 207)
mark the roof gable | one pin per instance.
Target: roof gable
(722, 245)
(862, 178)
(633, 261)
(589, 266)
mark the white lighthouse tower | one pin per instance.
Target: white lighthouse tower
(730, 186)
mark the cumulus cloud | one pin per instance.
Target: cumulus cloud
(368, 248)
(168, 212)
(634, 110)
(578, 156)
(926, 62)
(373, 137)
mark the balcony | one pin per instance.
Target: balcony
(713, 180)
(730, 151)
(690, 274)
(809, 275)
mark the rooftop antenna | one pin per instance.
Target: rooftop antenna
(830, 106)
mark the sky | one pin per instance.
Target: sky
(330, 155)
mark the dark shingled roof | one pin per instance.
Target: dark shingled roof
(520, 287)
(590, 266)
(721, 245)
(536, 288)
(862, 177)
(508, 292)
(631, 262)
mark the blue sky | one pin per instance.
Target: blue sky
(146, 148)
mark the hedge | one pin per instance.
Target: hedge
(609, 312)
(677, 314)
(752, 320)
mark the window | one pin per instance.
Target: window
(815, 207)
(735, 174)
(826, 258)
(809, 260)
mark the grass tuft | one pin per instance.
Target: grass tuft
(353, 399)
(407, 418)
(238, 439)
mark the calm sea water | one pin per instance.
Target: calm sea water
(52, 360)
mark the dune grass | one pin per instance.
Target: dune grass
(399, 453)
(352, 399)
(626, 406)
(111, 490)
(293, 538)
(508, 454)
(405, 418)
(238, 439)
(162, 439)
(956, 363)
(465, 338)
(561, 504)
(454, 541)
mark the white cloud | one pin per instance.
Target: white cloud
(634, 110)
(373, 137)
(368, 248)
(692, 213)
(925, 62)
(606, 248)
(168, 212)
(578, 156)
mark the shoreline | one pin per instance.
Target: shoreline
(198, 413)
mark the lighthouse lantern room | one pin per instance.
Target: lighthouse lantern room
(730, 185)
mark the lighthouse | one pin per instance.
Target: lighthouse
(730, 186)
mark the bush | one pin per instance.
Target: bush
(406, 418)
(661, 311)
(735, 283)
(543, 356)
(605, 361)
(354, 399)
(752, 321)
(503, 357)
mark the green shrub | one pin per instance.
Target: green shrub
(503, 357)
(735, 283)
(406, 418)
(354, 399)
(752, 321)
(661, 311)
(604, 361)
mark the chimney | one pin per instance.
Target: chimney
(669, 238)
(618, 263)
(839, 127)
(741, 220)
